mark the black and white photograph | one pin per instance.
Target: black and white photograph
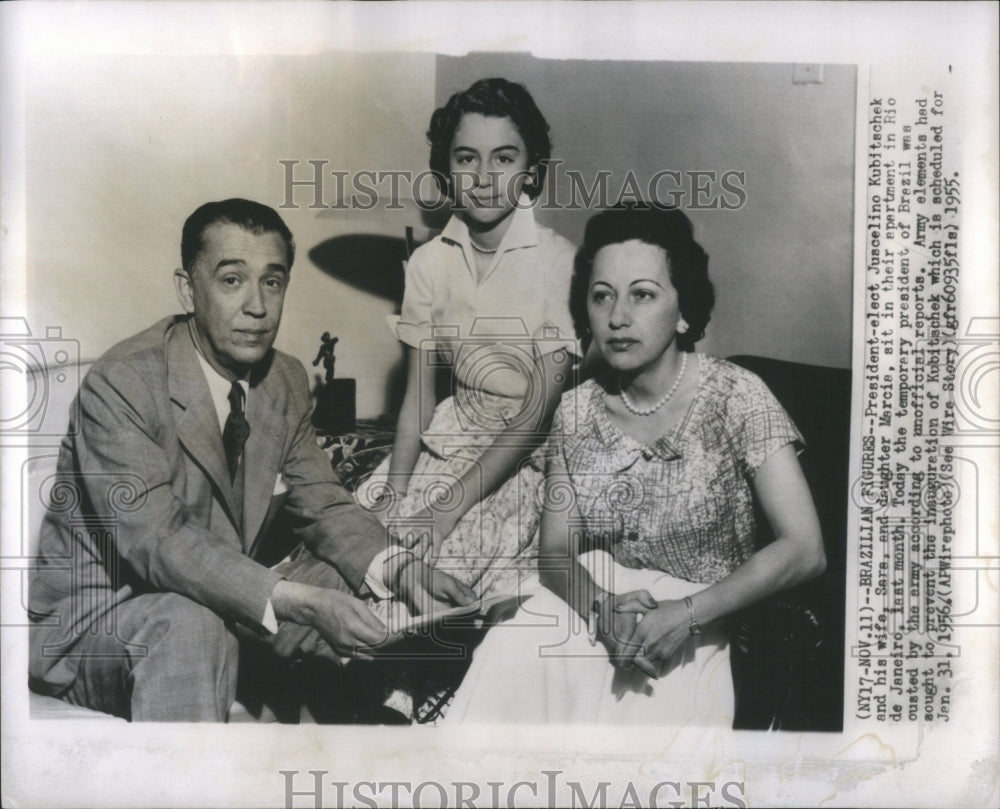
(499, 404)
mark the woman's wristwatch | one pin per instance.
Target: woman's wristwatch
(594, 617)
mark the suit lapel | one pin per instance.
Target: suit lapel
(264, 451)
(197, 424)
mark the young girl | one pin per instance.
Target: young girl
(489, 297)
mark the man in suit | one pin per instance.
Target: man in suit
(187, 439)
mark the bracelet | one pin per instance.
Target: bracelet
(594, 617)
(694, 627)
(399, 570)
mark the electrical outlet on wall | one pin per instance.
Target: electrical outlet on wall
(807, 74)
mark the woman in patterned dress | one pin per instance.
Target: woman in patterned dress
(648, 532)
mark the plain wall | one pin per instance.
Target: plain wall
(121, 149)
(782, 263)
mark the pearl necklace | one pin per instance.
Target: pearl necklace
(666, 396)
(485, 251)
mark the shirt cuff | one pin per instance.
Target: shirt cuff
(269, 622)
(417, 335)
(375, 577)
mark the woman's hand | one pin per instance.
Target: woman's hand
(619, 616)
(658, 637)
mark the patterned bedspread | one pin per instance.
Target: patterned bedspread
(355, 454)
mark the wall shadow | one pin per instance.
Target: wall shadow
(364, 261)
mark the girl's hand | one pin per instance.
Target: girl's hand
(426, 589)
(422, 532)
(384, 501)
(412, 531)
(658, 637)
(619, 616)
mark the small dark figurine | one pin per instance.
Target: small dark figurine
(326, 354)
(334, 412)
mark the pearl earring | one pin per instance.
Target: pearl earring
(682, 326)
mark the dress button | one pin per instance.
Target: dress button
(647, 455)
(632, 536)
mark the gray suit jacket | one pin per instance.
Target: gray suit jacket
(142, 500)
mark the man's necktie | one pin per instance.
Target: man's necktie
(235, 433)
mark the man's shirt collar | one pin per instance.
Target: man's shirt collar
(219, 387)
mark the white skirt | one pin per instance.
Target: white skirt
(539, 667)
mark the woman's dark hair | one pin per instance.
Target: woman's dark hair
(497, 98)
(664, 227)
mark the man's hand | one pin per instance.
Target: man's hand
(424, 588)
(342, 620)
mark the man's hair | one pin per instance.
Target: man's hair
(251, 216)
(660, 225)
(494, 98)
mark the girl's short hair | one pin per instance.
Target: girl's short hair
(497, 98)
(662, 226)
